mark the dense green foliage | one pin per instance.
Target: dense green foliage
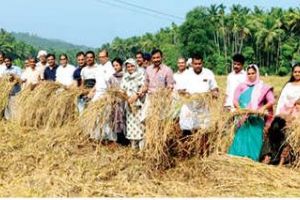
(19, 46)
(269, 38)
(18, 50)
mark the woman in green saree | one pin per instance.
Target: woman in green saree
(253, 95)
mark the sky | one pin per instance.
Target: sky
(95, 22)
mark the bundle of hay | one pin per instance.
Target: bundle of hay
(218, 134)
(162, 130)
(293, 139)
(48, 105)
(6, 86)
(97, 115)
(33, 105)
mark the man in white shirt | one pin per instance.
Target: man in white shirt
(30, 76)
(179, 75)
(199, 80)
(88, 73)
(10, 69)
(236, 77)
(42, 64)
(65, 71)
(105, 64)
(99, 133)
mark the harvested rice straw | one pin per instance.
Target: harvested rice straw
(293, 139)
(6, 86)
(64, 110)
(214, 138)
(33, 105)
(161, 132)
(96, 114)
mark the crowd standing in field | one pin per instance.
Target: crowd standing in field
(260, 138)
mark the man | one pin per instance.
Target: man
(198, 80)
(50, 71)
(236, 77)
(64, 73)
(179, 75)
(80, 57)
(88, 73)
(42, 64)
(88, 78)
(97, 92)
(105, 64)
(31, 76)
(14, 72)
(147, 60)
(139, 57)
(158, 75)
(9, 69)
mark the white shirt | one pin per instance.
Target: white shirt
(179, 80)
(108, 70)
(101, 84)
(289, 95)
(64, 75)
(233, 81)
(30, 76)
(2, 68)
(88, 72)
(199, 83)
(15, 70)
(41, 68)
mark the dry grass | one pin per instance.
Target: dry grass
(47, 105)
(60, 161)
(293, 139)
(5, 89)
(63, 163)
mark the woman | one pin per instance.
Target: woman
(290, 93)
(132, 83)
(118, 112)
(277, 151)
(253, 94)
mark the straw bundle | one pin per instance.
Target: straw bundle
(97, 115)
(293, 139)
(161, 130)
(47, 105)
(6, 85)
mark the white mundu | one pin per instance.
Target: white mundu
(195, 114)
(64, 75)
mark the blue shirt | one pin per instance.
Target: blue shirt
(50, 74)
(77, 75)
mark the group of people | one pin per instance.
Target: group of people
(145, 74)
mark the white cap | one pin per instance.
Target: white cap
(189, 62)
(42, 53)
(130, 61)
